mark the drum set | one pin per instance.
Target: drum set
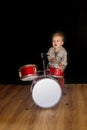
(45, 90)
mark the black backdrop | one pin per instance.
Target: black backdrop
(26, 32)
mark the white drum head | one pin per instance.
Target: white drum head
(46, 93)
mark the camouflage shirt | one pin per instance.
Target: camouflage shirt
(61, 57)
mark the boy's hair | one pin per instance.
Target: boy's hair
(59, 34)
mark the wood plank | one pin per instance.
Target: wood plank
(17, 111)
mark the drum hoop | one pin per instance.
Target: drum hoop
(56, 67)
(51, 105)
(27, 65)
(57, 76)
(28, 75)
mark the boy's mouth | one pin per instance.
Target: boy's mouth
(55, 44)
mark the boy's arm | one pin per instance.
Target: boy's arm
(63, 62)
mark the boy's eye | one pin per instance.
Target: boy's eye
(57, 40)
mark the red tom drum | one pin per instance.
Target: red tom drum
(55, 72)
(28, 72)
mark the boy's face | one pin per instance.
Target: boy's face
(57, 42)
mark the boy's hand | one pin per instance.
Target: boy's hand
(61, 65)
(53, 59)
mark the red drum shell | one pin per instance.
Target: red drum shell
(55, 71)
(29, 70)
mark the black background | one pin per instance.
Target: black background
(26, 30)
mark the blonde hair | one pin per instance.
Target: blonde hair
(59, 34)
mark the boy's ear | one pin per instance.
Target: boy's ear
(62, 43)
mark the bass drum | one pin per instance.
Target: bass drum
(46, 92)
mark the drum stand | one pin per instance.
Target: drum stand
(33, 103)
(43, 58)
(44, 71)
(62, 101)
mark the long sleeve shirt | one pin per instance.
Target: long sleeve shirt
(61, 57)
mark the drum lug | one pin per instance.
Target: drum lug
(20, 74)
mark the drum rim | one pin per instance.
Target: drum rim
(29, 75)
(57, 76)
(27, 65)
(56, 67)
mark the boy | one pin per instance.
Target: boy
(57, 55)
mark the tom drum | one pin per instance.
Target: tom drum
(28, 72)
(55, 72)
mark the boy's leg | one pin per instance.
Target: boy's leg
(61, 82)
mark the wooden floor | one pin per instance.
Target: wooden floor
(17, 111)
